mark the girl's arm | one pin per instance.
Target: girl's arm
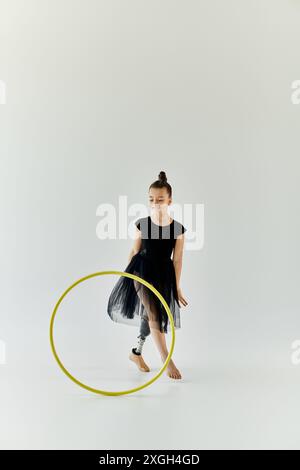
(177, 257)
(136, 245)
(177, 261)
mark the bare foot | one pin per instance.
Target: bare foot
(172, 370)
(139, 361)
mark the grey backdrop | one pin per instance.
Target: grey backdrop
(100, 97)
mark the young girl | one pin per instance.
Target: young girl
(157, 237)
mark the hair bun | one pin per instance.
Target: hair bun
(162, 176)
(161, 182)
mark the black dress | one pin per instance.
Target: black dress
(130, 300)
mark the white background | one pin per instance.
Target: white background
(100, 97)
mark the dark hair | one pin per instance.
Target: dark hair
(162, 183)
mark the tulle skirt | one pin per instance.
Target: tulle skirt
(130, 300)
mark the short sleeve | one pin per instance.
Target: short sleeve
(182, 229)
(179, 229)
(138, 223)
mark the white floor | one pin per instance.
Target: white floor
(212, 407)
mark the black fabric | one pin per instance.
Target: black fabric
(130, 301)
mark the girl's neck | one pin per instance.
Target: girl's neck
(161, 219)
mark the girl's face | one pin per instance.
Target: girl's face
(159, 200)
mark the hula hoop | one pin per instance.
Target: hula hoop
(105, 392)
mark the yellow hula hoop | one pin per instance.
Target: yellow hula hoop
(105, 392)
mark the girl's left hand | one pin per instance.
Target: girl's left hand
(181, 298)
